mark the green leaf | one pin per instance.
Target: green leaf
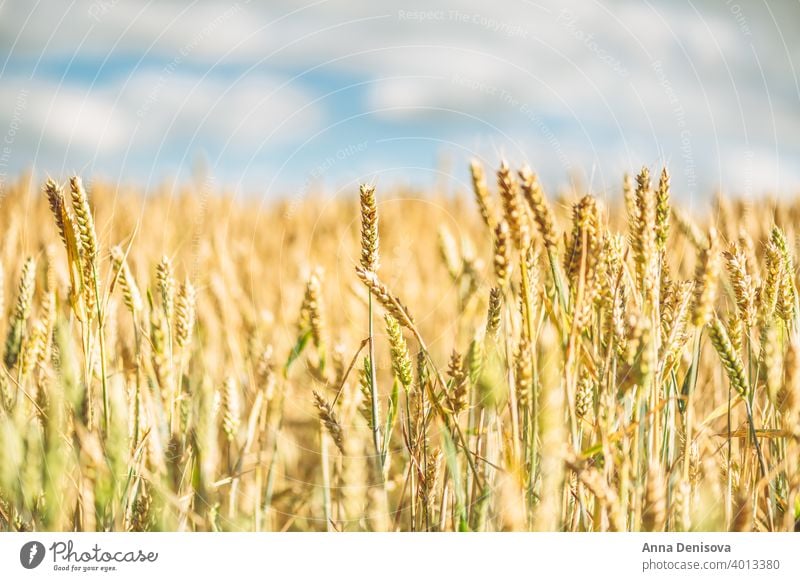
(302, 341)
(451, 457)
(391, 415)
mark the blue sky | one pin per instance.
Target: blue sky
(280, 98)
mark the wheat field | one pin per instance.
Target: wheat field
(498, 359)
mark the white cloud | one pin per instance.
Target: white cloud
(522, 68)
(203, 30)
(241, 112)
(62, 116)
(154, 113)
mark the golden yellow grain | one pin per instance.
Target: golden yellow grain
(369, 229)
(481, 190)
(127, 284)
(514, 211)
(706, 281)
(542, 215)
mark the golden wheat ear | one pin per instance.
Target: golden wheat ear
(515, 214)
(534, 196)
(84, 219)
(369, 229)
(482, 195)
(706, 281)
(185, 314)
(20, 314)
(329, 419)
(127, 284)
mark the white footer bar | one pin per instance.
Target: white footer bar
(399, 556)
